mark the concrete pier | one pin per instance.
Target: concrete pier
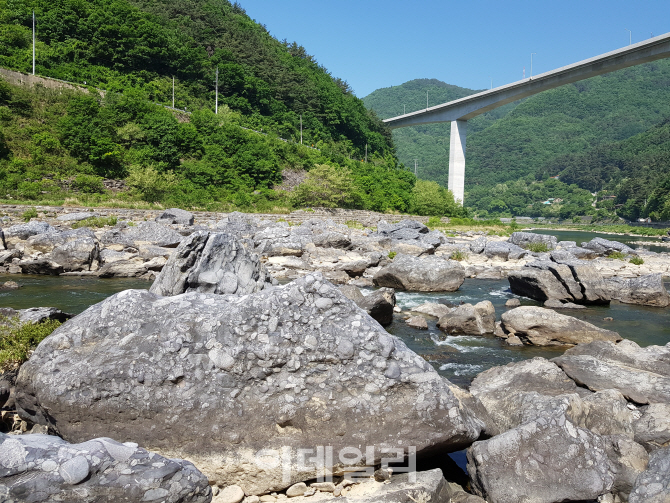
(459, 131)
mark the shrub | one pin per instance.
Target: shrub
(95, 222)
(428, 198)
(392, 254)
(636, 261)
(458, 255)
(89, 184)
(539, 247)
(18, 339)
(434, 222)
(617, 255)
(28, 214)
(150, 184)
(326, 186)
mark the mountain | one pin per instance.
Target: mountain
(534, 136)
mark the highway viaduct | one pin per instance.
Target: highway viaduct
(458, 112)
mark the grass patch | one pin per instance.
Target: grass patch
(636, 261)
(353, 224)
(392, 254)
(617, 255)
(458, 255)
(95, 222)
(18, 339)
(539, 247)
(28, 214)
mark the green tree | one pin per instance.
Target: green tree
(326, 186)
(429, 198)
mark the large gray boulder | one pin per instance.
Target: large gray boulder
(467, 319)
(544, 461)
(332, 240)
(503, 250)
(212, 263)
(653, 485)
(523, 239)
(22, 232)
(40, 468)
(647, 290)
(642, 375)
(537, 284)
(606, 247)
(77, 255)
(538, 326)
(425, 274)
(175, 216)
(142, 234)
(216, 378)
(378, 304)
(652, 429)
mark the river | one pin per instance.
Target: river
(582, 236)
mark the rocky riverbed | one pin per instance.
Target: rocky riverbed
(255, 369)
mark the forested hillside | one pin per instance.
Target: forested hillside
(567, 132)
(59, 146)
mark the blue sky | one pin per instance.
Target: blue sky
(382, 43)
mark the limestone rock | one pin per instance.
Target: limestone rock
(230, 494)
(77, 255)
(379, 304)
(432, 309)
(557, 304)
(478, 245)
(642, 375)
(40, 266)
(653, 429)
(176, 216)
(605, 246)
(653, 485)
(502, 250)
(427, 274)
(512, 303)
(628, 460)
(292, 366)
(24, 231)
(544, 327)
(46, 468)
(537, 284)
(142, 234)
(77, 217)
(131, 268)
(418, 322)
(523, 239)
(469, 320)
(332, 240)
(211, 262)
(647, 290)
(543, 461)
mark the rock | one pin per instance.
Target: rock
(512, 303)
(40, 266)
(123, 269)
(537, 284)
(230, 494)
(523, 239)
(77, 255)
(647, 290)
(108, 256)
(289, 366)
(22, 232)
(538, 326)
(502, 250)
(642, 375)
(379, 304)
(653, 485)
(76, 217)
(175, 216)
(478, 245)
(606, 247)
(352, 293)
(557, 304)
(42, 314)
(418, 322)
(427, 274)
(652, 430)
(401, 227)
(211, 262)
(581, 253)
(142, 234)
(542, 461)
(10, 285)
(469, 320)
(296, 490)
(332, 240)
(432, 309)
(627, 461)
(47, 468)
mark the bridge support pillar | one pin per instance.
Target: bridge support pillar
(459, 131)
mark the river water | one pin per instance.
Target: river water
(581, 236)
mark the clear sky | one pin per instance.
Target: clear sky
(383, 43)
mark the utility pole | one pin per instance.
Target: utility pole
(531, 64)
(630, 36)
(426, 99)
(366, 152)
(216, 99)
(415, 161)
(33, 42)
(300, 129)
(173, 91)
(403, 110)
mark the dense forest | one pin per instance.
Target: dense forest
(578, 133)
(58, 146)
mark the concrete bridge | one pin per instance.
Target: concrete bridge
(458, 112)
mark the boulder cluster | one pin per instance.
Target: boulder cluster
(221, 384)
